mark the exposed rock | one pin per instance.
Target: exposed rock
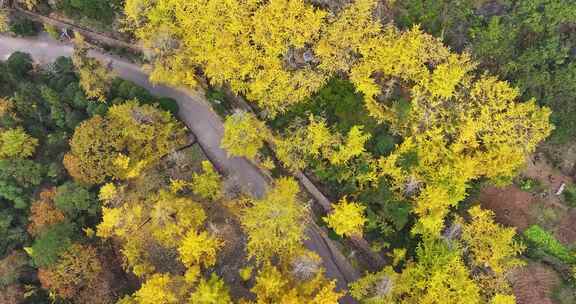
(299, 58)
(141, 117)
(232, 188)
(383, 12)
(561, 189)
(305, 267)
(334, 6)
(177, 158)
(308, 56)
(384, 286)
(491, 8)
(453, 232)
(412, 186)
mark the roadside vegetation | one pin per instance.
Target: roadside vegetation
(107, 201)
(421, 122)
(377, 116)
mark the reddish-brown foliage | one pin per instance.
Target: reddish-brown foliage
(566, 231)
(43, 213)
(78, 276)
(11, 268)
(72, 165)
(12, 294)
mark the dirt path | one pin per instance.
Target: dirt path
(204, 123)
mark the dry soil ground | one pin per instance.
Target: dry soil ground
(521, 209)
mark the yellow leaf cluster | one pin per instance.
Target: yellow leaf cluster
(339, 45)
(199, 249)
(491, 244)
(244, 135)
(316, 140)
(352, 147)
(485, 132)
(375, 288)
(274, 224)
(131, 138)
(347, 218)
(166, 221)
(95, 78)
(275, 286)
(211, 291)
(4, 21)
(208, 184)
(503, 299)
(16, 143)
(242, 43)
(107, 192)
(172, 217)
(160, 289)
(438, 277)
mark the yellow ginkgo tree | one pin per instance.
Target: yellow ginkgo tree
(275, 224)
(347, 218)
(244, 135)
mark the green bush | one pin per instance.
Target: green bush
(74, 198)
(123, 90)
(529, 184)
(47, 248)
(126, 90)
(24, 27)
(97, 108)
(18, 177)
(570, 195)
(338, 102)
(385, 211)
(19, 64)
(382, 144)
(168, 104)
(56, 172)
(541, 240)
(12, 232)
(219, 102)
(564, 294)
(99, 10)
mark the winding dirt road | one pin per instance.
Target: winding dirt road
(206, 126)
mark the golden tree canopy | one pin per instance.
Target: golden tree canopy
(347, 218)
(275, 224)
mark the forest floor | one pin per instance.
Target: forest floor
(534, 284)
(521, 208)
(539, 205)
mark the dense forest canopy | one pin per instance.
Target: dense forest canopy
(450, 124)
(399, 112)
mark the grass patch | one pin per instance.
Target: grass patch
(541, 241)
(545, 216)
(564, 294)
(529, 184)
(570, 195)
(219, 102)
